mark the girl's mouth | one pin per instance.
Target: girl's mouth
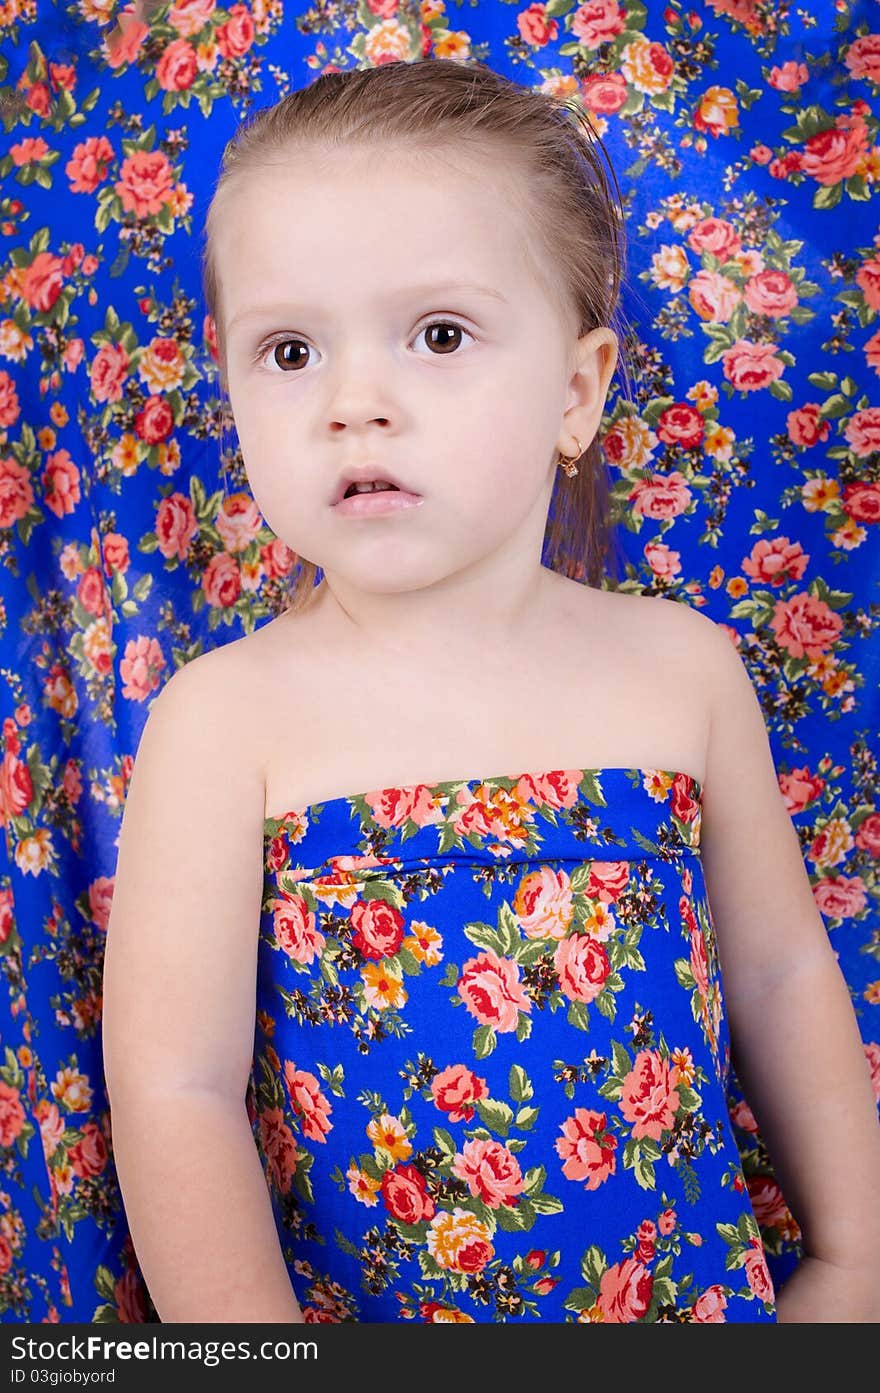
(377, 503)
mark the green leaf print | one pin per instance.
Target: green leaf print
(328, 970)
(515, 1220)
(578, 1015)
(445, 1142)
(496, 1115)
(408, 961)
(546, 1204)
(526, 1118)
(593, 1264)
(580, 1299)
(684, 974)
(484, 1041)
(333, 1078)
(580, 878)
(639, 1155)
(345, 1244)
(628, 957)
(534, 1179)
(523, 1027)
(748, 1227)
(663, 1291)
(530, 950)
(484, 936)
(519, 1085)
(606, 1005)
(687, 1097)
(508, 931)
(431, 1268)
(622, 1062)
(301, 1181)
(384, 890)
(370, 1167)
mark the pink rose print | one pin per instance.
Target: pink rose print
(716, 236)
(751, 366)
(646, 1235)
(543, 903)
(492, 1173)
(89, 1156)
(757, 1273)
(625, 1292)
(805, 626)
(582, 965)
(378, 929)
(709, 1307)
(587, 1148)
(491, 990)
(279, 1147)
(308, 1102)
(806, 427)
(667, 1221)
(12, 1114)
(296, 929)
(405, 1192)
(455, 1091)
(648, 1099)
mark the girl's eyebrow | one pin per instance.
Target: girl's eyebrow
(409, 293)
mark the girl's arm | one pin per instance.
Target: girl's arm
(795, 1040)
(179, 1004)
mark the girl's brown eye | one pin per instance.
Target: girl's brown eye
(441, 328)
(283, 358)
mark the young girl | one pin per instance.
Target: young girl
(413, 999)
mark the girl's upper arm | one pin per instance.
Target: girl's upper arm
(761, 901)
(180, 964)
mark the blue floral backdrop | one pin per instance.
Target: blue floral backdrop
(746, 466)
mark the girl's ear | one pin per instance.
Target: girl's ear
(595, 359)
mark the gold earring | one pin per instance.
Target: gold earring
(567, 461)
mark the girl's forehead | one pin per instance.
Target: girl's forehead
(390, 167)
(391, 221)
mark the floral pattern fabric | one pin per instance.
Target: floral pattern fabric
(491, 1058)
(744, 469)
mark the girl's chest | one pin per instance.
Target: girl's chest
(614, 697)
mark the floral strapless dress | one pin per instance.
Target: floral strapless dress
(491, 1057)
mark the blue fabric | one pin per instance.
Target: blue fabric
(492, 1061)
(747, 487)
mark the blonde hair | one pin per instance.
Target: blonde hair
(576, 224)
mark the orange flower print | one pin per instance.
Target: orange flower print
(388, 1135)
(424, 942)
(459, 1241)
(543, 903)
(362, 1185)
(383, 985)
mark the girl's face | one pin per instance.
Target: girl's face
(380, 311)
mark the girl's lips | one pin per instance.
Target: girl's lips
(369, 505)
